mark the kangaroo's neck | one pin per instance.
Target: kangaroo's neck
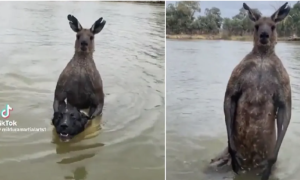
(83, 57)
(263, 50)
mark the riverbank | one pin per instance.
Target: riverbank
(219, 37)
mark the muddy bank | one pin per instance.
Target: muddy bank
(208, 37)
(219, 37)
(293, 39)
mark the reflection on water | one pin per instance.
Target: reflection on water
(64, 148)
(197, 74)
(91, 131)
(36, 44)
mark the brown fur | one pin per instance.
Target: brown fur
(258, 91)
(80, 82)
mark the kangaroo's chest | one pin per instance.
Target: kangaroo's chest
(80, 86)
(80, 82)
(260, 76)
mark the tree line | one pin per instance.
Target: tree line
(180, 19)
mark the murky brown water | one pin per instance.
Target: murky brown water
(36, 44)
(197, 75)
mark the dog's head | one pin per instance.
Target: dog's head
(69, 123)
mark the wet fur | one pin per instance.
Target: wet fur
(80, 82)
(258, 92)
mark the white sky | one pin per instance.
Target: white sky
(231, 8)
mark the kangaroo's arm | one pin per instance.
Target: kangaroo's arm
(60, 94)
(97, 99)
(232, 95)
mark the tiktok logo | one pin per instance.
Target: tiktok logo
(5, 113)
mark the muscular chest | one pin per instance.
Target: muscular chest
(80, 82)
(260, 75)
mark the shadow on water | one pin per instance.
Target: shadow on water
(197, 73)
(37, 43)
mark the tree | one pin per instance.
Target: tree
(180, 16)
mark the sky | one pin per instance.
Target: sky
(231, 8)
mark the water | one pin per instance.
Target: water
(36, 44)
(197, 75)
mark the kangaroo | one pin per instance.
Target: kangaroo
(80, 83)
(258, 92)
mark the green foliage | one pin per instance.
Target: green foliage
(180, 19)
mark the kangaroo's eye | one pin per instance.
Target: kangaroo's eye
(273, 27)
(77, 36)
(256, 27)
(92, 37)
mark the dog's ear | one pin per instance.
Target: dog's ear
(84, 116)
(56, 117)
(78, 110)
(85, 119)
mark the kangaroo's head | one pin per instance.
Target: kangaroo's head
(85, 37)
(265, 27)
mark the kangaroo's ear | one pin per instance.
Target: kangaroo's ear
(98, 26)
(74, 23)
(253, 16)
(281, 13)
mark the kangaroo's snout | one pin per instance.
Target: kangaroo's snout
(264, 38)
(84, 45)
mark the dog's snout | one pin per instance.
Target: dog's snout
(64, 126)
(264, 35)
(84, 43)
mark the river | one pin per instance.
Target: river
(197, 75)
(128, 141)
